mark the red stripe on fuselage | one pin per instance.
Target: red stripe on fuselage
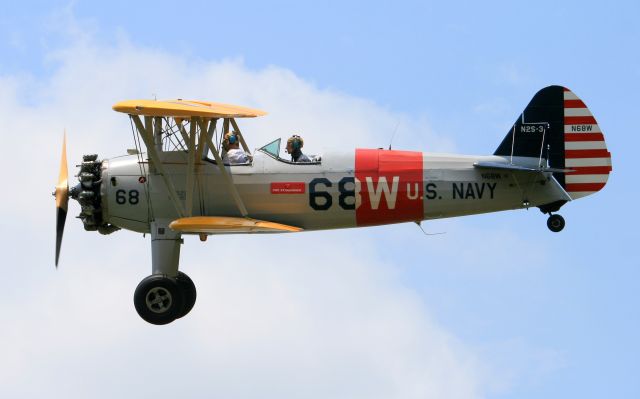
(390, 186)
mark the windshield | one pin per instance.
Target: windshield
(272, 148)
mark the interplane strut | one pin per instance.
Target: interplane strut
(197, 140)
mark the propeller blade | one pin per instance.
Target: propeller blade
(62, 197)
(61, 217)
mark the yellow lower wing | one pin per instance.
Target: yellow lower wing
(225, 225)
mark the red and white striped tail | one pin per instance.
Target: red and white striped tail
(585, 150)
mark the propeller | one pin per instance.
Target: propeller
(62, 197)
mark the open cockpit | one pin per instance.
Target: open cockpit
(272, 149)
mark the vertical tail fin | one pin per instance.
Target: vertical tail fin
(557, 129)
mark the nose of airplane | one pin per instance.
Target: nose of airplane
(87, 192)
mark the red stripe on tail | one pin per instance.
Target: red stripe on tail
(601, 153)
(579, 120)
(574, 104)
(590, 170)
(583, 137)
(584, 186)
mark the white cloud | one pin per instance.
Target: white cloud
(280, 324)
(274, 325)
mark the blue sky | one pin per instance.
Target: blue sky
(497, 307)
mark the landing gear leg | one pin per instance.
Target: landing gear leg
(162, 297)
(555, 223)
(165, 250)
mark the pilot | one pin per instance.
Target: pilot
(233, 154)
(294, 147)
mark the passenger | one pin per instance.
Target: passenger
(233, 154)
(294, 147)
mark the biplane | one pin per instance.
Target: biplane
(176, 182)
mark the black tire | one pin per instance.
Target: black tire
(158, 299)
(188, 293)
(555, 223)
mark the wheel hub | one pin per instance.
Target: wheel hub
(159, 300)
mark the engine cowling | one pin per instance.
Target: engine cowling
(87, 193)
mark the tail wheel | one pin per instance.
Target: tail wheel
(159, 299)
(555, 223)
(188, 291)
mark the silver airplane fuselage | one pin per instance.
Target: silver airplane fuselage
(361, 188)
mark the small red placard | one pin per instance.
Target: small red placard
(288, 188)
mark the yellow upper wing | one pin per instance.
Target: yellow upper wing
(185, 108)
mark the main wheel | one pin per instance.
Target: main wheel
(188, 292)
(555, 223)
(158, 299)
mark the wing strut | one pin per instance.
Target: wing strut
(225, 130)
(183, 131)
(195, 154)
(147, 136)
(191, 154)
(223, 170)
(195, 148)
(237, 129)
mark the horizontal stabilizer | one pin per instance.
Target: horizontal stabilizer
(227, 225)
(507, 166)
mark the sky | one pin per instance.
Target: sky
(497, 307)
